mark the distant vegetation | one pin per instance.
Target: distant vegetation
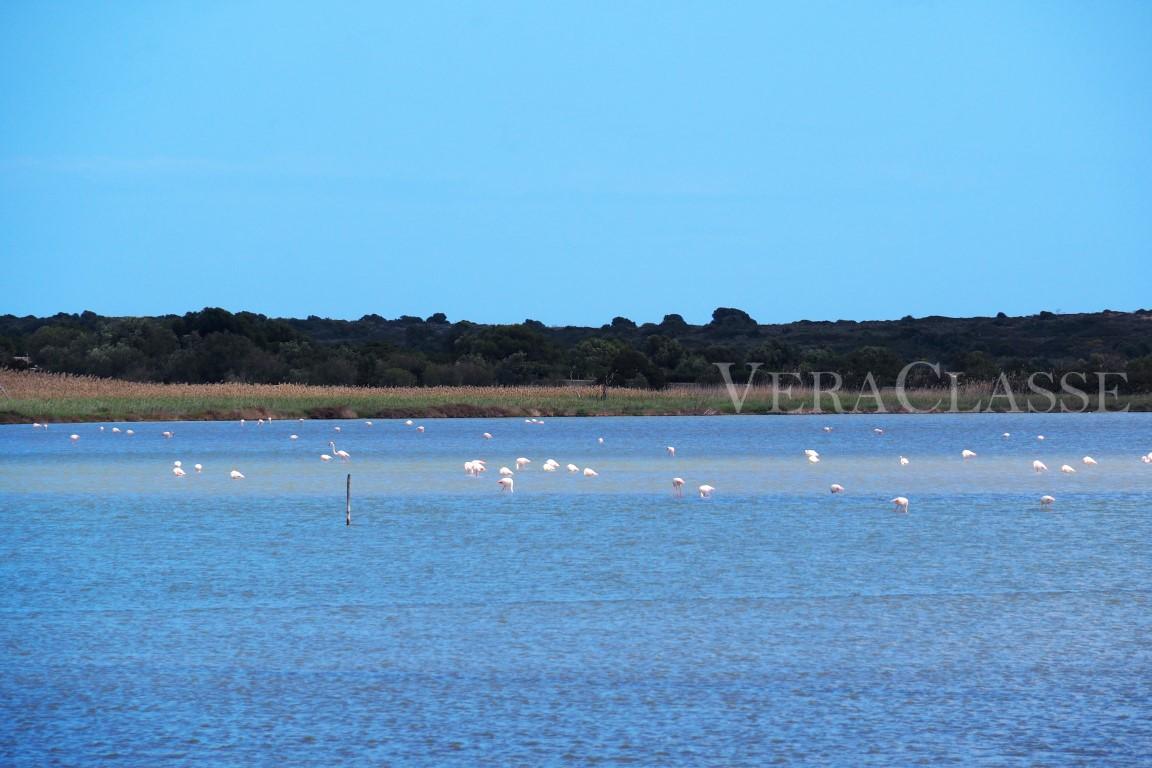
(217, 346)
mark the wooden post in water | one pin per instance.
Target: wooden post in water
(348, 501)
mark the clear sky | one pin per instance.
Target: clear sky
(570, 162)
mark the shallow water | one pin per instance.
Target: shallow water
(204, 621)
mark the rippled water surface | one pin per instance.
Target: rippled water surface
(147, 619)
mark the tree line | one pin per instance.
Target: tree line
(214, 345)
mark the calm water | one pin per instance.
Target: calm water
(147, 619)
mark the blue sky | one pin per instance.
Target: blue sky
(570, 162)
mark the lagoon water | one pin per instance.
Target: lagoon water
(149, 620)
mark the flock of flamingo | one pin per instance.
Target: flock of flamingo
(507, 482)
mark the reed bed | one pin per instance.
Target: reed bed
(31, 396)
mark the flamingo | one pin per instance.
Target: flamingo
(1046, 500)
(600, 440)
(506, 484)
(706, 491)
(1039, 437)
(420, 428)
(1067, 469)
(101, 429)
(178, 472)
(678, 486)
(167, 435)
(367, 423)
(36, 425)
(549, 467)
(572, 468)
(487, 435)
(809, 452)
(1147, 459)
(115, 430)
(130, 432)
(901, 503)
(198, 467)
(341, 453)
(235, 475)
(336, 429)
(522, 462)
(1089, 461)
(836, 488)
(967, 454)
(505, 472)
(878, 431)
(177, 463)
(408, 423)
(325, 457)
(903, 461)
(813, 458)
(671, 450)
(1006, 435)
(589, 472)
(293, 437)
(74, 438)
(1039, 466)
(827, 429)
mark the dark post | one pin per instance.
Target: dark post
(348, 502)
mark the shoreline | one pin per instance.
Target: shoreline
(27, 397)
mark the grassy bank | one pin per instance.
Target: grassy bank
(33, 396)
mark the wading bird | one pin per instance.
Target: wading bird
(341, 453)
(706, 491)
(1046, 500)
(836, 488)
(901, 503)
(1039, 466)
(235, 475)
(589, 472)
(506, 484)
(967, 454)
(678, 486)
